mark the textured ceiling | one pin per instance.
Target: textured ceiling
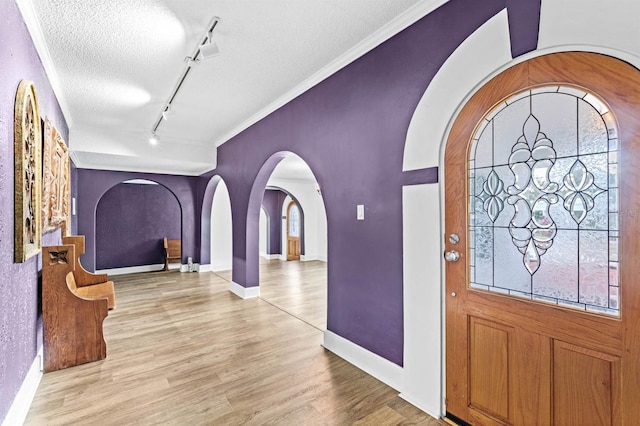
(114, 64)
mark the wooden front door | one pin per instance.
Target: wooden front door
(542, 191)
(293, 231)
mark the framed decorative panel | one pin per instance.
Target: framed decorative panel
(56, 184)
(28, 166)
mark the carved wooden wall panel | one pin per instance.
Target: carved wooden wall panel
(27, 137)
(56, 187)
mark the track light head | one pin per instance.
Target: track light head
(153, 140)
(209, 50)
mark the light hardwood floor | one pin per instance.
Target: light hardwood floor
(183, 350)
(299, 288)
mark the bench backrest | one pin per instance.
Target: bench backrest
(172, 248)
(71, 282)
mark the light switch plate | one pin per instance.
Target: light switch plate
(360, 212)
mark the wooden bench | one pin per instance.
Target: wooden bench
(95, 291)
(172, 252)
(84, 278)
(72, 323)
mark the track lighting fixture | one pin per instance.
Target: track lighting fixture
(205, 49)
(168, 112)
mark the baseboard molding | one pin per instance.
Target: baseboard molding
(22, 402)
(137, 269)
(244, 292)
(271, 256)
(435, 414)
(219, 267)
(205, 268)
(380, 368)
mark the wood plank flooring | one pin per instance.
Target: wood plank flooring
(182, 349)
(299, 288)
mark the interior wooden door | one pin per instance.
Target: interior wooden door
(293, 231)
(542, 295)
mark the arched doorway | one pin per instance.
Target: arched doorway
(296, 287)
(542, 316)
(129, 238)
(216, 242)
(293, 231)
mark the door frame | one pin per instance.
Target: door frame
(634, 411)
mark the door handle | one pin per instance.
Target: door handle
(452, 256)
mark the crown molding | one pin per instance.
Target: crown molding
(402, 21)
(33, 26)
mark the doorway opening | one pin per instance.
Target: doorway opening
(293, 271)
(126, 239)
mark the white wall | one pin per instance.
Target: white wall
(315, 218)
(221, 231)
(262, 233)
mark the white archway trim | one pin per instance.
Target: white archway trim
(221, 225)
(486, 50)
(422, 298)
(284, 248)
(244, 292)
(610, 25)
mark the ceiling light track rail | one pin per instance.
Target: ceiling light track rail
(206, 42)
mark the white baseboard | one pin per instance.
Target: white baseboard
(22, 402)
(136, 269)
(322, 258)
(380, 368)
(219, 267)
(205, 268)
(271, 256)
(414, 402)
(244, 292)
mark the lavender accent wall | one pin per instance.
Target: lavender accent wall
(350, 129)
(93, 184)
(272, 203)
(130, 234)
(20, 325)
(277, 210)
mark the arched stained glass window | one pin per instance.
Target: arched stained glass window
(544, 200)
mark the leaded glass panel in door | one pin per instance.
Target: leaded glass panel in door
(543, 200)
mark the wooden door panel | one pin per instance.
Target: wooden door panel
(584, 385)
(518, 361)
(597, 332)
(530, 372)
(489, 367)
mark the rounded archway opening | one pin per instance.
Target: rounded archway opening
(216, 232)
(293, 268)
(132, 219)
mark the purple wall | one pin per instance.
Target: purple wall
(272, 203)
(350, 129)
(93, 184)
(20, 325)
(130, 234)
